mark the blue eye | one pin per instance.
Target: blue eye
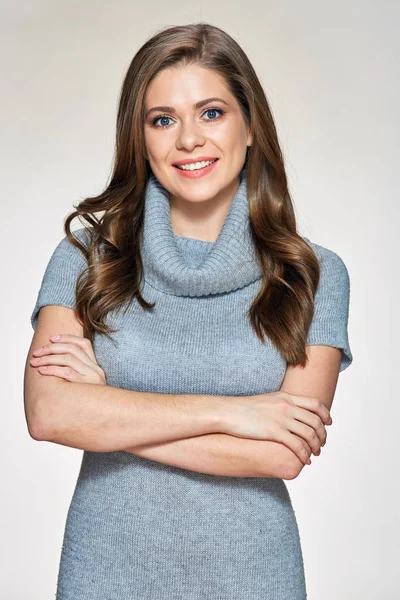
(214, 110)
(162, 117)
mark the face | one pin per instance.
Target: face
(180, 131)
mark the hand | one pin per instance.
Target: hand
(71, 357)
(296, 421)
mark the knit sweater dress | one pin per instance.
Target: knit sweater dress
(137, 529)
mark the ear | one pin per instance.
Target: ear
(249, 138)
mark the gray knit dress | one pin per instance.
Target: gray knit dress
(137, 529)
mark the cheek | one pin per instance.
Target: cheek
(158, 146)
(228, 138)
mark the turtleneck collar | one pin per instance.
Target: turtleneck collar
(229, 264)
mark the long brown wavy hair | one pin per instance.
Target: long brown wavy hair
(283, 309)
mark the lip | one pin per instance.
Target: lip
(197, 173)
(189, 161)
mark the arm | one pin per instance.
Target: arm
(318, 379)
(222, 454)
(219, 454)
(102, 418)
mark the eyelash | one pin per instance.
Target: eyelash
(154, 121)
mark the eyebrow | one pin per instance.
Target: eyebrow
(171, 109)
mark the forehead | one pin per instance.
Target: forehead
(180, 86)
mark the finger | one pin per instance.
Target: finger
(314, 405)
(63, 372)
(312, 420)
(297, 445)
(306, 433)
(62, 360)
(82, 342)
(306, 446)
(63, 348)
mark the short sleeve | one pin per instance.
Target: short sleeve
(58, 284)
(329, 326)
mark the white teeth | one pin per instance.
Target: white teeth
(197, 165)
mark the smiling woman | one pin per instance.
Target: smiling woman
(203, 313)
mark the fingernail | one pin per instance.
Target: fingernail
(54, 337)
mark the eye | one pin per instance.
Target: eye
(165, 117)
(161, 126)
(214, 110)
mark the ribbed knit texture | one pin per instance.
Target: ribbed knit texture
(229, 265)
(141, 530)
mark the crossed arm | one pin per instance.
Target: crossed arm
(222, 454)
(216, 453)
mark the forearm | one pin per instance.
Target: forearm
(103, 418)
(222, 454)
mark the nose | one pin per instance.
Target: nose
(189, 136)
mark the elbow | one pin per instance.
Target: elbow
(36, 432)
(37, 419)
(289, 465)
(43, 405)
(42, 428)
(291, 471)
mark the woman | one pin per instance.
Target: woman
(200, 341)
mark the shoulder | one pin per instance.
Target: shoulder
(331, 306)
(59, 280)
(82, 234)
(67, 253)
(332, 265)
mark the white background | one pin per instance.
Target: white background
(329, 71)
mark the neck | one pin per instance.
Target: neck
(202, 219)
(229, 265)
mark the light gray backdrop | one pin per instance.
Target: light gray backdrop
(329, 70)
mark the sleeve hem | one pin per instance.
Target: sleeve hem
(35, 313)
(347, 357)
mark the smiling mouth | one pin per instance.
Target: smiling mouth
(191, 167)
